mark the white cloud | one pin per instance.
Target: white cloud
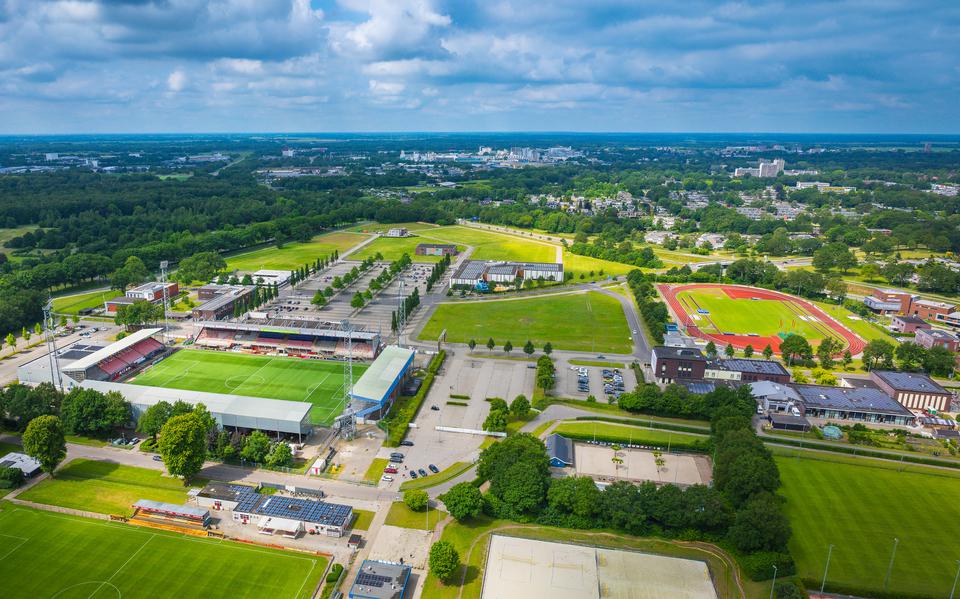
(177, 80)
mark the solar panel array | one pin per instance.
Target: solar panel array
(373, 580)
(295, 508)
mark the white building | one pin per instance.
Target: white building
(397, 232)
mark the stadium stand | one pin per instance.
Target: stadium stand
(115, 360)
(286, 336)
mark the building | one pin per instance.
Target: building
(397, 232)
(889, 301)
(474, 272)
(559, 450)
(149, 292)
(272, 514)
(907, 324)
(672, 363)
(930, 310)
(22, 462)
(864, 404)
(435, 249)
(764, 169)
(378, 387)
(912, 390)
(113, 361)
(789, 422)
(219, 301)
(271, 277)
(380, 580)
(935, 337)
(774, 397)
(746, 370)
(171, 511)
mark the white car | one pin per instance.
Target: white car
(387, 478)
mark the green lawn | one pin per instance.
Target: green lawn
(743, 316)
(494, 246)
(375, 471)
(392, 248)
(597, 363)
(453, 471)
(859, 507)
(105, 487)
(859, 326)
(402, 516)
(363, 519)
(590, 322)
(584, 265)
(620, 433)
(72, 304)
(315, 381)
(76, 558)
(295, 254)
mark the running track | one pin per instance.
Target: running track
(669, 292)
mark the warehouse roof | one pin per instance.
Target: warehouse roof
(384, 374)
(753, 366)
(850, 400)
(909, 381)
(111, 350)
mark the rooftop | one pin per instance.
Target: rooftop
(560, 447)
(866, 400)
(380, 580)
(678, 353)
(109, 351)
(754, 366)
(908, 381)
(909, 319)
(938, 334)
(172, 508)
(772, 390)
(383, 375)
(294, 508)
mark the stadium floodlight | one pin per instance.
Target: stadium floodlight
(50, 338)
(163, 284)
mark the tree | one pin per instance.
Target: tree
(496, 421)
(138, 313)
(847, 359)
(491, 344)
(836, 288)
(37, 329)
(11, 340)
(760, 525)
(729, 351)
(795, 346)
(444, 560)
(768, 352)
(153, 418)
(202, 266)
(711, 349)
(23, 403)
(280, 454)
(44, 441)
(939, 361)
(472, 344)
(508, 347)
(416, 499)
(90, 412)
(528, 348)
(463, 500)
(748, 351)
(520, 406)
(183, 445)
(133, 272)
(897, 272)
(256, 447)
(825, 351)
(357, 301)
(910, 355)
(870, 271)
(878, 354)
(548, 348)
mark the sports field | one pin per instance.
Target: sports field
(294, 255)
(493, 246)
(392, 248)
(860, 506)
(72, 304)
(319, 382)
(745, 316)
(65, 557)
(590, 322)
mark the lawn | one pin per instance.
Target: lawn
(859, 326)
(584, 265)
(859, 507)
(72, 304)
(590, 322)
(392, 248)
(597, 363)
(402, 516)
(494, 246)
(105, 487)
(363, 519)
(451, 472)
(744, 316)
(315, 381)
(75, 558)
(295, 254)
(619, 433)
(375, 471)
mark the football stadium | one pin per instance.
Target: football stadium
(741, 316)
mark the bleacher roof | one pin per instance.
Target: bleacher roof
(316, 328)
(384, 374)
(109, 351)
(172, 508)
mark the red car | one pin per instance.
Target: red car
(390, 470)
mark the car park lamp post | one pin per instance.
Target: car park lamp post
(893, 554)
(826, 568)
(954, 587)
(773, 583)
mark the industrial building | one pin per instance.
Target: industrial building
(672, 364)
(380, 580)
(912, 390)
(148, 292)
(862, 404)
(473, 272)
(378, 387)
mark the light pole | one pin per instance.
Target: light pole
(774, 582)
(893, 554)
(826, 568)
(954, 587)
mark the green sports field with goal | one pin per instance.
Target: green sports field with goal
(319, 382)
(43, 554)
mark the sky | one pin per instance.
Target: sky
(181, 66)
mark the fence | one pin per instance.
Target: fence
(469, 431)
(58, 509)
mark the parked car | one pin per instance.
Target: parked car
(406, 443)
(413, 474)
(421, 471)
(390, 470)
(435, 408)
(157, 458)
(396, 455)
(433, 468)
(387, 479)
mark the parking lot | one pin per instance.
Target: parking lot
(603, 383)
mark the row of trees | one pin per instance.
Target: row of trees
(676, 401)
(436, 273)
(501, 413)
(623, 252)
(653, 312)
(301, 274)
(409, 304)
(81, 411)
(340, 282)
(528, 348)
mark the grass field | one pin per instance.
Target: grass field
(859, 506)
(402, 516)
(452, 471)
(392, 248)
(743, 316)
(294, 255)
(585, 322)
(857, 325)
(375, 470)
(605, 431)
(76, 558)
(584, 265)
(105, 487)
(72, 304)
(315, 381)
(494, 246)
(363, 519)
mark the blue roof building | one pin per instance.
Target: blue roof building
(380, 580)
(560, 450)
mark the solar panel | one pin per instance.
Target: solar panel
(373, 580)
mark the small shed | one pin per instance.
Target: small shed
(789, 422)
(560, 450)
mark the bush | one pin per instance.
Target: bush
(759, 566)
(10, 478)
(416, 499)
(335, 571)
(788, 590)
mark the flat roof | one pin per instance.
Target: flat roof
(471, 269)
(384, 374)
(679, 353)
(295, 508)
(909, 319)
(850, 400)
(909, 381)
(225, 491)
(769, 389)
(753, 366)
(109, 351)
(380, 580)
(938, 334)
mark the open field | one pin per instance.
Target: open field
(105, 487)
(363, 519)
(856, 324)
(859, 506)
(584, 265)
(392, 248)
(72, 304)
(402, 516)
(494, 246)
(590, 322)
(75, 558)
(375, 470)
(621, 433)
(374, 227)
(315, 381)
(294, 254)
(741, 316)
(673, 258)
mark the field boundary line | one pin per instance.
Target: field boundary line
(313, 565)
(23, 541)
(269, 362)
(122, 566)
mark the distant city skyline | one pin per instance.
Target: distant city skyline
(182, 66)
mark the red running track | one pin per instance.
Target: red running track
(669, 292)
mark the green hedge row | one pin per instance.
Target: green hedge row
(405, 409)
(666, 426)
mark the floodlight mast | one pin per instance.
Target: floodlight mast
(51, 339)
(163, 282)
(347, 428)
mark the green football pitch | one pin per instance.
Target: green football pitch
(319, 382)
(67, 557)
(859, 506)
(744, 316)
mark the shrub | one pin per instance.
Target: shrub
(759, 566)
(335, 571)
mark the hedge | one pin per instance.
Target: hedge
(405, 409)
(457, 403)
(334, 574)
(459, 396)
(759, 566)
(667, 426)
(695, 446)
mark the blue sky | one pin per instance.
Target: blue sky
(86, 66)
